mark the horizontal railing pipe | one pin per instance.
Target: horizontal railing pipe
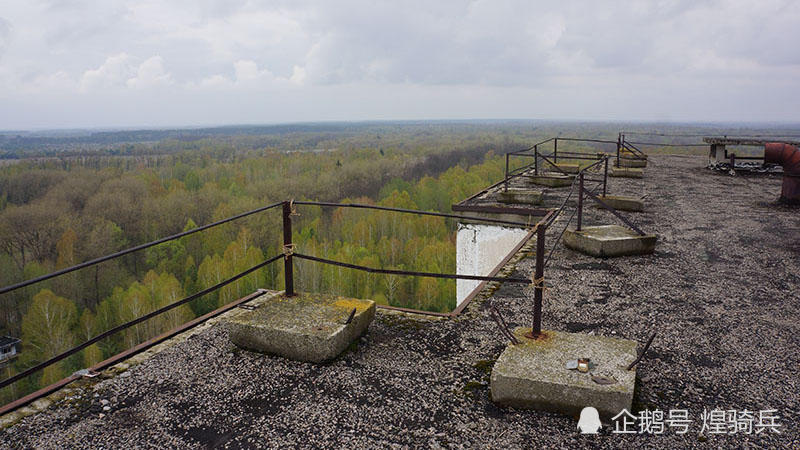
(667, 145)
(412, 273)
(133, 322)
(599, 141)
(101, 259)
(411, 211)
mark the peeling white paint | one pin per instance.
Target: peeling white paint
(479, 249)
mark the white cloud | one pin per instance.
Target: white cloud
(247, 70)
(298, 75)
(115, 71)
(150, 73)
(123, 70)
(247, 75)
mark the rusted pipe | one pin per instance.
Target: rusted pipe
(787, 156)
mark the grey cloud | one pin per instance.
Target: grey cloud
(449, 43)
(449, 58)
(5, 35)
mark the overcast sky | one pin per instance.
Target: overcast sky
(111, 63)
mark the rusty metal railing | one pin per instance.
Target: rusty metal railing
(137, 248)
(550, 159)
(30, 371)
(538, 229)
(288, 210)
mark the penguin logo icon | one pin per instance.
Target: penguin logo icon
(589, 422)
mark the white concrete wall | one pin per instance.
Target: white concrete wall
(479, 249)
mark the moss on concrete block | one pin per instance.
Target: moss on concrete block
(626, 172)
(632, 162)
(622, 203)
(306, 327)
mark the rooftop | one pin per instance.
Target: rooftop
(721, 291)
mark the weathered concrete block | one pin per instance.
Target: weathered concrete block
(533, 374)
(306, 327)
(629, 154)
(626, 172)
(569, 167)
(551, 179)
(609, 240)
(520, 196)
(632, 162)
(622, 203)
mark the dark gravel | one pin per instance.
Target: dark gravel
(722, 291)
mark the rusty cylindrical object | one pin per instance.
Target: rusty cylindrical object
(787, 156)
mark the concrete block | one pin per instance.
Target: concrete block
(609, 240)
(306, 327)
(630, 154)
(520, 196)
(626, 172)
(625, 162)
(533, 374)
(622, 203)
(551, 179)
(569, 167)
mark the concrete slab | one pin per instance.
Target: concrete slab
(306, 327)
(520, 196)
(508, 217)
(626, 172)
(569, 167)
(551, 179)
(609, 240)
(533, 374)
(622, 203)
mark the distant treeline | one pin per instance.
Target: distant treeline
(289, 136)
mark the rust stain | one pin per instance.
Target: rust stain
(544, 336)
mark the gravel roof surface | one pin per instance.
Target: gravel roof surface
(722, 291)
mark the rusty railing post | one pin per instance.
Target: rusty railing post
(580, 200)
(506, 183)
(538, 280)
(605, 177)
(733, 162)
(288, 273)
(555, 150)
(619, 144)
(536, 160)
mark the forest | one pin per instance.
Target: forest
(72, 198)
(58, 211)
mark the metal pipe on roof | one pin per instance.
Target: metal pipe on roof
(788, 156)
